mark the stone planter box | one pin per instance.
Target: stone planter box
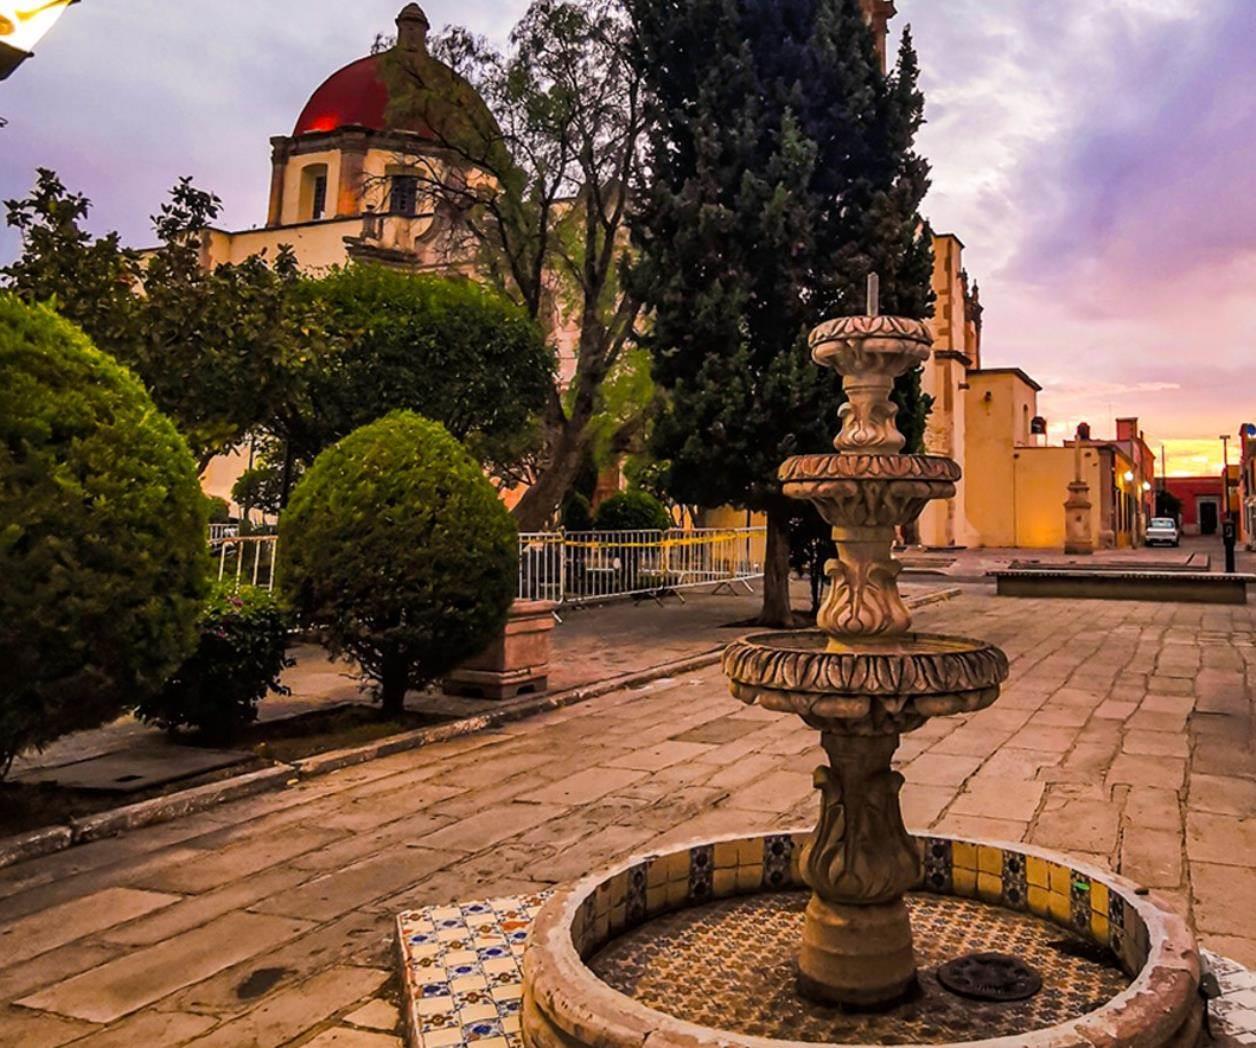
(517, 662)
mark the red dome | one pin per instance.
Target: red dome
(353, 97)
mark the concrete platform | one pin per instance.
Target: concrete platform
(1167, 586)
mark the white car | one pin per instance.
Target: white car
(1163, 530)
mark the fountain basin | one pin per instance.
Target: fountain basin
(882, 684)
(1133, 978)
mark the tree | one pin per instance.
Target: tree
(103, 558)
(535, 195)
(781, 174)
(396, 545)
(223, 351)
(448, 349)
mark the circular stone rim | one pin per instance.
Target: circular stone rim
(753, 662)
(1155, 1008)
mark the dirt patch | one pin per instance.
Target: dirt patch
(334, 728)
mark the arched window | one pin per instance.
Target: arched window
(313, 193)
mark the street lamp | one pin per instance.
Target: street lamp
(23, 23)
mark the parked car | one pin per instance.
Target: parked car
(1163, 530)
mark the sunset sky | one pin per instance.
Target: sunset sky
(1098, 159)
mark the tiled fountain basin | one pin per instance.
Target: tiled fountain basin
(1141, 959)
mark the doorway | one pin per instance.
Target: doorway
(1209, 516)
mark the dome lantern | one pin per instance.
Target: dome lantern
(412, 29)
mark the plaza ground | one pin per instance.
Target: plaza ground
(1125, 735)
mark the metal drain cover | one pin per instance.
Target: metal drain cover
(990, 977)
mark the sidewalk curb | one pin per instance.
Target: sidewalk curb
(49, 839)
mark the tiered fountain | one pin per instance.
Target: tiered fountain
(699, 947)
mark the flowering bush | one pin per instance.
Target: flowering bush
(242, 652)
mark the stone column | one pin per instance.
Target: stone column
(279, 152)
(856, 944)
(1077, 537)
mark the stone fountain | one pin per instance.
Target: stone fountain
(716, 944)
(864, 677)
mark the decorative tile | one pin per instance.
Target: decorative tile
(937, 863)
(1015, 882)
(463, 976)
(1079, 902)
(730, 964)
(462, 973)
(701, 873)
(777, 853)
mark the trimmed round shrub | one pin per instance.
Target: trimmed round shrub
(396, 545)
(241, 655)
(632, 511)
(577, 513)
(103, 556)
(218, 508)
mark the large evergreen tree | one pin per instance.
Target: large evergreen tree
(781, 172)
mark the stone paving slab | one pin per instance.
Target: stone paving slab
(459, 820)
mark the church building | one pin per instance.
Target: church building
(345, 186)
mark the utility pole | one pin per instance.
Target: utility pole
(1229, 526)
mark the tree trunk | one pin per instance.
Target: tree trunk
(536, 509)
(777, 611)
(285, 486)
(392, 691)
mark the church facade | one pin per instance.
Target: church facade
(344, 187)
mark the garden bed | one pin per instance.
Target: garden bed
(32, 805)
(334, 728)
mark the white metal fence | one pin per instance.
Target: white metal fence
(248, 559)
(574, 567)
(583, 567)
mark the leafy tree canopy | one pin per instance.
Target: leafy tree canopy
(223, 351)
(451, 350)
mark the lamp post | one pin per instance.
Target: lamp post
(1225, 474)
(23, 23)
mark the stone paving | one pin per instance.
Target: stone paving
(1125, 735)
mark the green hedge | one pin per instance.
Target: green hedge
(103, 558)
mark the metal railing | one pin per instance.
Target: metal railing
(218, 532)
(575, 567)
(248, 559)
(584, 567)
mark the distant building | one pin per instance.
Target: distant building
(1018, 484)
(1202, 499)
(1247, 485)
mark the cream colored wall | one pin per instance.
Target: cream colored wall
(990, 439)
(317, 245)
(292, 177)
(222, 473)
(1040, 479)
(944, 523)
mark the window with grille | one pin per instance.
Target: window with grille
(404, 195)
(319, 208)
